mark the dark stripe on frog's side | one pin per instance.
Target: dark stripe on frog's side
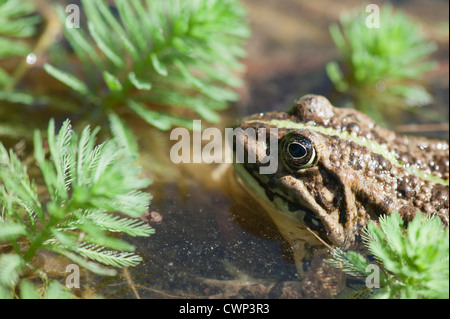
(374, 147)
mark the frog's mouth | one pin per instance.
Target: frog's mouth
(259, 187)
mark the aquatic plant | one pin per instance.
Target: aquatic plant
(384, 63)
(164, 61)
(410, 262)
(77, 213)
(149, 56)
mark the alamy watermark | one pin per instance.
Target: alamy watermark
(373, 19)
(73, 17)
(73, 279)
(218, 149)
(373, 279)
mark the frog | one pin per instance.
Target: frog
(337, 171)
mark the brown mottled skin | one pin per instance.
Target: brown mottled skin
(349, 185)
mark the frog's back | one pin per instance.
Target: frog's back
(429, 155)
(417, 167)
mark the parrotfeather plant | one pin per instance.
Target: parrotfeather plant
(413, 262)
(156, 58)
(383, 64)
(86, 185)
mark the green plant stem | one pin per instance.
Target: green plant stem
(40, 238)
(16, 247)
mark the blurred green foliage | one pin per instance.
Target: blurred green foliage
(148, 56)
(18, 24)
(381, 66)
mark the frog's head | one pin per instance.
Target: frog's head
(305, 185)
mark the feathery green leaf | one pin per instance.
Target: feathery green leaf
(87, 184)
(184, 55)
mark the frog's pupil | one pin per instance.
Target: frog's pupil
(297, 150)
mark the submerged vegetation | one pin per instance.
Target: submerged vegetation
(381, 65)
(406, 263)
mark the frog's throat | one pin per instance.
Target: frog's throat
(371, 145)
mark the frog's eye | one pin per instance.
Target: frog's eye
(297, 152)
